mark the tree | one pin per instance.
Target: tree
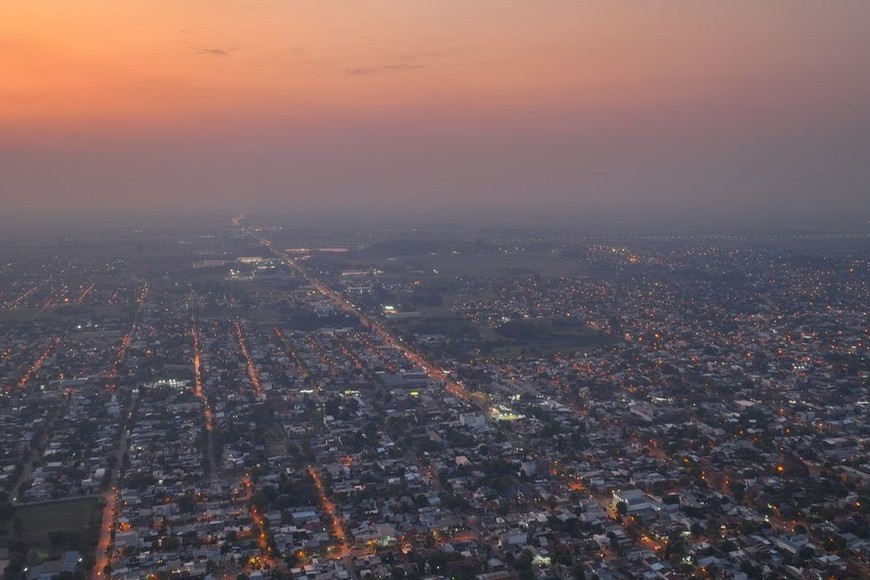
(738, 489)
(800, 529)
(621, 508)
(187, 503)
(524, 562)
(171, 543)
(260, 501)
(562, 556)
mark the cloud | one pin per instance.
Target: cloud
(398, 62)
(203, 47)
(215, 51)
(387, 68)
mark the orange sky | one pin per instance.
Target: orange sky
(124, 70)
(120, 63)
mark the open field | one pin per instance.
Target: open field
(276, 441)
(498, 265)
(39, 523)
(547, 339)
(453, 265)
(543, 337)
(61, 313)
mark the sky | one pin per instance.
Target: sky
(678, 107)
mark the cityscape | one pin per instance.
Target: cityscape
(248, 399)
(434, 290)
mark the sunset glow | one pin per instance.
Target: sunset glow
(491, 97)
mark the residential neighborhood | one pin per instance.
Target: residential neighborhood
(230, 405)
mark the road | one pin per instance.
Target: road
(288, 347)
(335, 519)
(434, 373)
(37, 364)
(81, 299)
(103, 552)
(345, 549)
(266, 558)
(21, 298)
(251, 368)
(199, 391)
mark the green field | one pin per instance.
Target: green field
(38, 523)
(547, 336)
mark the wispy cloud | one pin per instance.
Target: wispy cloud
(213, 51)
(202, 46)
(399, 62)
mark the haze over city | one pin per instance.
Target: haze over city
(700, 109)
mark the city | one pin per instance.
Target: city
(434, 290)
(230, 400)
